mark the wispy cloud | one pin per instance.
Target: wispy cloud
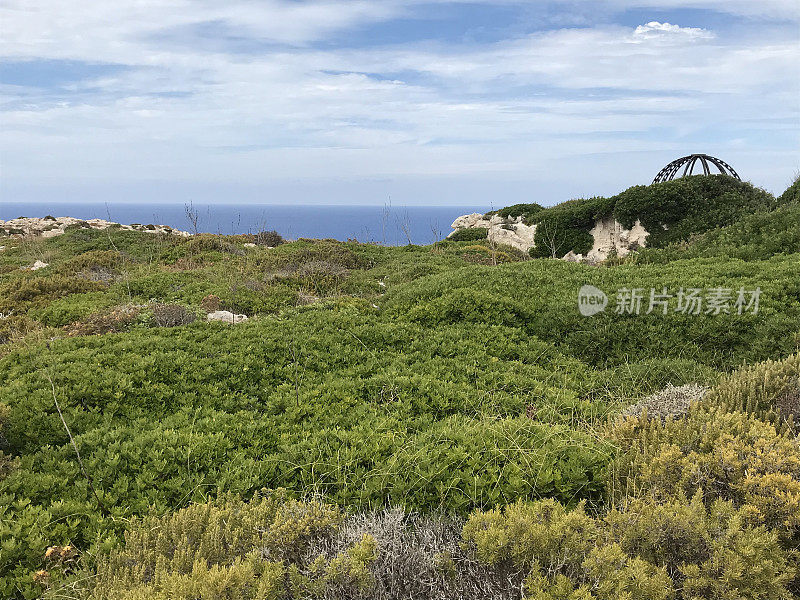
(242, 92)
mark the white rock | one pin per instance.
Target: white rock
(39, 265)
(226, 317)
(520, 236)
(249, 245)
(54, 226)
(609, 236)
(467, 221)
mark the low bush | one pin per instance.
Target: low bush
(728, 456)
(270, 239)
(672, 401)
(292, 256)
(670, 211)
(171, 315)
(115, 320)
(752, 237)
(565, 227)
(527, 211)
(39, 291)
(93, 260)
(73, 307)
(273, 547)
(673, 210)
(540, 298)
(762, 389)
(644, 550)
(15, 326)
(470, 234)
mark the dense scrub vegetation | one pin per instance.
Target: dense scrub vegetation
(426, 422)
(671, 212)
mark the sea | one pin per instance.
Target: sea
(387, 224)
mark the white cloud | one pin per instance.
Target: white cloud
(519, 108)
(654, 29)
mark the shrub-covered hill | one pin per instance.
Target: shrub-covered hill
(753, 237)
(671, 212)
(458, 381)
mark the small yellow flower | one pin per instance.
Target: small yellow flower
(40, 576)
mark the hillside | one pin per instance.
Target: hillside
(426, 422)
(598, 228)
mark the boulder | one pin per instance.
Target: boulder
(226, 317)
(39, 265)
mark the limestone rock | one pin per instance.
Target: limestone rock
(54, 226)
(467, 221)
(610, 236)
(518, 235)
(39, 265)
(226, 317)
(502, 230)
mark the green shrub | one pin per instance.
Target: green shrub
(72, 308)
(270, 239)
(643, 550)
(470, 234)
(673, 210)
(171, 315)
(114, 320)
(669, 211)
(565, 227)
(753, 237)
(262, 549)
(39, 291)
(14, 327)
(723, 455)
(540, 298)
(792, 193)
(759, 388)
(527, 211)
(93, 260)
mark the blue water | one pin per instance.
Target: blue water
(390, 225)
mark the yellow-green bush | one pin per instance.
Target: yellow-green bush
(264, 549)
(724, 455)
(643, 550)
(760, 388)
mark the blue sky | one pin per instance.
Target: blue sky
(424, 102)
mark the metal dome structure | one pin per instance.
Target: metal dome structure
(689, 162)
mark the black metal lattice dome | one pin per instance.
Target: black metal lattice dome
(688, 163)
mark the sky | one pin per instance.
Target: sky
(413, 102)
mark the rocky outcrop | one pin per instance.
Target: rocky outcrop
(53, 226)
(502, 230)
(610, 237)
